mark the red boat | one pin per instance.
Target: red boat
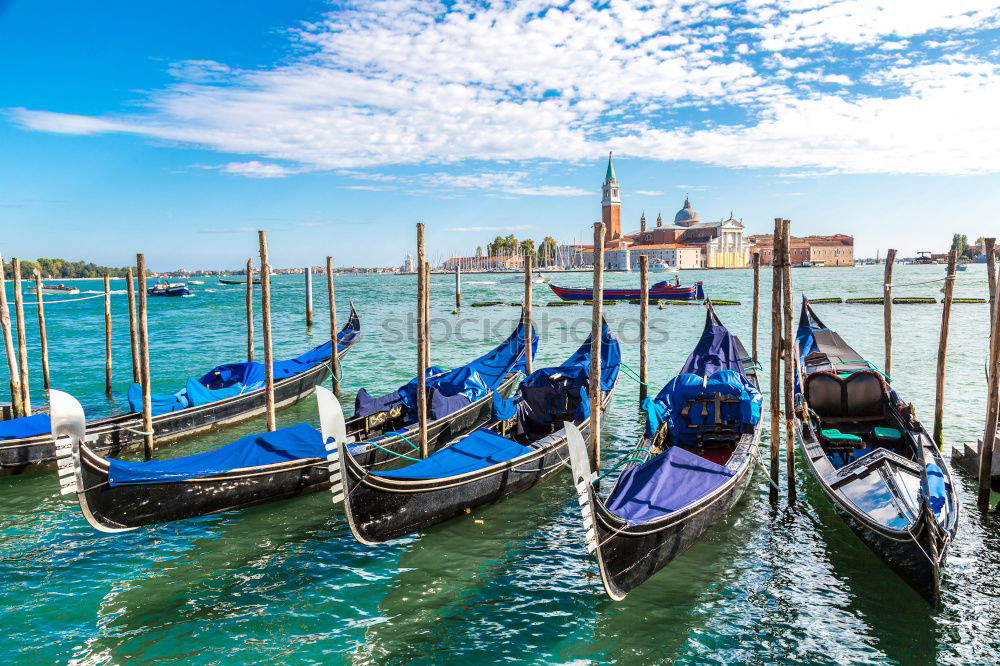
(661, 291)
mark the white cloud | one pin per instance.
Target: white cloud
(648, 193)
(406, 82)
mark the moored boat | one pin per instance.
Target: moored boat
(227, 394)
(523, 444)
(661, 291)
(235, 281)
(690, 466)
(115, 495)
(872, 458)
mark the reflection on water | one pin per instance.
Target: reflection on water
(286, 583)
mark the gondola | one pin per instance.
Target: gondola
(523, 444)
(691, 465)
(661, 291)
(233, 281)
(115, 495)
(227, 394)
(872, 458)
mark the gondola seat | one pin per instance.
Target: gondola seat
(833, 438)
(886, 435)
(861, 397)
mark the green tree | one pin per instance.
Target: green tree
(547, 251)
(959, 243)
(528, 247)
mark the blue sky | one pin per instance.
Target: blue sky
(179, 129)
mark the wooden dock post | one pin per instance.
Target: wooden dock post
(42, 337)
(8, 343)
(992, 413)
(790, 361)
(309, 296)
(458, 286)
(265, 318)
(147, 401)
(755, 262)
(991, 271)
(133, 334)
(774, 389)
(890, 259)
(427, 312)
(107, 335)
(249, 308)
(643, 327)
(334, 345)
(597, 318)
(949, 289)
(422, 360)
(527, 314)
(22, 337)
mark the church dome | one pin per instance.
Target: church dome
(686, 216)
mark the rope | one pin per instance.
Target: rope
(629, 457)
(65, 300)
(916, 284)
(403, 437)
(767, 474)
(137, 432)
(391, 452)
(634, 375)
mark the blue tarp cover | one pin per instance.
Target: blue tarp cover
(26, 426)
(672, 398)
(295, 443)
(483, 448)
(231, 379)
(667, 483)
(716, 350)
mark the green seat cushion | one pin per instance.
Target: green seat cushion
(835, 435)
(887, 433)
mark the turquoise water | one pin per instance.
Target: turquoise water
(286, 583)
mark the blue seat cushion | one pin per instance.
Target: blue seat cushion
(890, 434)
(483, 448)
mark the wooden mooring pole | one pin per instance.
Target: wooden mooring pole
(755, 262)
(147, 401)
(790, 361)
(22, 337)
(133, 334)
(949, 289)
(265, 318)
(458, 286)
(42, 337)
(890, 259)
(991, 271)
(107, 335)
(249, 308)
(774, 388)
(643, 327)
(309, 296)
(334, 344)
(422, 360)
(992, 413)
(527, 314)
(597, 318)
(8, 342)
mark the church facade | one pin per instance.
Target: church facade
(687, 243)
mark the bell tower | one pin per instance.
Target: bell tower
(611, 204)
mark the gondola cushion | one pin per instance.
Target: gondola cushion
(298, 442)
(26, 426)
(887, 434)
(482, 449)
(669, 482)
(837, 437)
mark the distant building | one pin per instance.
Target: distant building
(407, 266)
(835, 250)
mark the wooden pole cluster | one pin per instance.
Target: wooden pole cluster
(949, 289)
(8, 342)
(755, 262)
(249, 304)
(309, 296)
(890, 259)
(788, 340)
(992, 413)
(334, 345)
(422, 360)
(597, 314)
(458, 286)
(132, 332)
(527, 314)
(147, 401)
(107, 335)
(774, 394)
(22, 337)
(643, 327)
(42, 337)
(265, 315)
